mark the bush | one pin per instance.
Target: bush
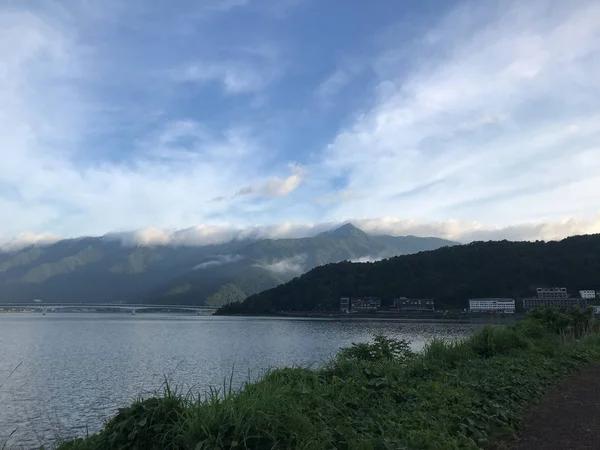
(550, 318)
(447, 354)
(493, 341)
(533, 329)
(382, 349)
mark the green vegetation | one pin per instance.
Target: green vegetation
(21, 259)
(137, 261)
(63, 266)
(450, 275)
(228, 293)
(377, 395)
(187, 287)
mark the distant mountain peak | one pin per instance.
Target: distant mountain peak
(346, 230)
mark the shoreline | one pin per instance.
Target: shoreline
(401, 318)
(464, 394)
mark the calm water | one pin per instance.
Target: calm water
(74, 370)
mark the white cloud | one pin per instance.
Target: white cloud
(277, 187)
(236, 78)
(249, 69)
(333, 84)
(365, 259)
(464, 231)
(295, 265)
(26, 239)
(338, 80)
(61, 171)
(455, 230)
(493, 120)
(219, 261)
(487, 121)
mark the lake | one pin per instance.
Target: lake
(64, 374)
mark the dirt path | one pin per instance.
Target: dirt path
(568, 418)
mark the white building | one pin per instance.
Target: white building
(587, 293)
(505, 305)
(365, 304)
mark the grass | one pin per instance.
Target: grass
(377, 395)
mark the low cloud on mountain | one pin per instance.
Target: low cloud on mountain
(368, 258)
(456, 230)
(293, 265)
(219, 261)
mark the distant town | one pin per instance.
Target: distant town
(557, 297)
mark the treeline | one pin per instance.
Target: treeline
(450, 275)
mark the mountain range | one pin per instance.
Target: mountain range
(104, 269)
(450, 275)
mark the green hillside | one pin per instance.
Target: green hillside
(450, 275)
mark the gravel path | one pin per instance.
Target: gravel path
(568, 418)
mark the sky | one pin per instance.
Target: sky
(195, 120)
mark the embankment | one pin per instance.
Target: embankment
(373, 396)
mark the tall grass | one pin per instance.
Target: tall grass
(377, 395)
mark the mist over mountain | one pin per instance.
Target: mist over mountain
(104, 269)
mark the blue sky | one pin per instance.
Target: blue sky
(467, 120)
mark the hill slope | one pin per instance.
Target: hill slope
(104, 270)
(267, 263)
(450, 275)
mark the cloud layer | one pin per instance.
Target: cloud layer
(296, 265)
(470, 122)
(459, 231)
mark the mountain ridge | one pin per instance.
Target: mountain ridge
(104, 269)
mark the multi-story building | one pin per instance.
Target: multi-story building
(504, 305)
(345, 304)
(413, 304)
(552, 292)
(560, 303)
(365, 304)
(554, 297)
(587, 293)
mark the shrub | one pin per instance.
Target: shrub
(447, 354)
(550, 318)
(382, 349)
(531, 328)
(492, 341)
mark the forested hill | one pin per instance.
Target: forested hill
(450, 275)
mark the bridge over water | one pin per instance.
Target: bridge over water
(132, 307)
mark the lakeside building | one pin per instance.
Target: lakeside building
(587, 293)
(345, 304)
(365, 304)
(413, 304)
(552, 292)
(503, 305)
(555, 297)
(560, 303)
(348, 304)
